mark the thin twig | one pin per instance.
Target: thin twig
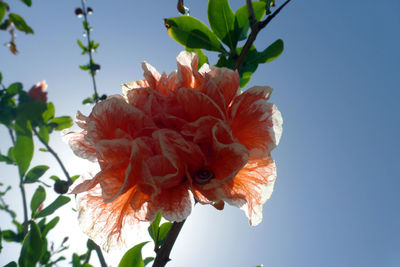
(100, 255)
(252, 18)
(256, 27)
(55, 156)
(163, 253)
(84, 11)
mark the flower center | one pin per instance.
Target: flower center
(203, 177)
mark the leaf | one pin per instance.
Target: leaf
(193, 33)
(202, 57)
(88, 100)
(23, 150)
(14, 89)
(81, 45)
(4, 158)
(153, 228)
(60, 201)
(35, 173)
(38, 198)
(271, 52)
(163, 232)
(62, 122)
(50, 225)
(49, 112)
(54, 178)
(242, 24)
(27, 2)
(222, 21)
(2, 13)
(11, 264)
(73, 178)
(31, 247)
(20, 23)
(245, 73)
(11, 236)
(44, 134)
(133, 257)
(1, 75)
(148, 260)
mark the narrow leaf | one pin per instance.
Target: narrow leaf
(222, 21)
(35, 173)
(62, 122)
(148, 260)
(38, 197)
(44, 133)
(153, 228)
(193, 33)
(133, 257)
(20, 23)
(49, 112)
(50, 225)
(242, 24)
(271, 52)
(27, 2)
(31, 247)
(23, 150)
(163, 232)
(60, 201)
(2, 13)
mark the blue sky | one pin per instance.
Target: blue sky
(337, 85)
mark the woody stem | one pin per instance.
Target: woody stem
(163, 253)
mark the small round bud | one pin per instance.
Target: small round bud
(89, 10)
(90, 244)
(96, 67)
(103, 97)
(61, 187)
(79, 12)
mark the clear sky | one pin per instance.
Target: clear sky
(337, 84)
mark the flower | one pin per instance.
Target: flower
(37, 92)
(172, 139)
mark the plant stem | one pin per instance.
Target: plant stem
(55, 156)
(84, 11)
(163, 253)
(100, 255)
(22, 189)
(256, 27)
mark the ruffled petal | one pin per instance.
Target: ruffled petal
(150, 74)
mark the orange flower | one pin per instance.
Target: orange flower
(173, 137)
(37, 92)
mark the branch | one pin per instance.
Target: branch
(55, 156)
(100, 255)
(90, 50)
(256, 27)
(163, 253)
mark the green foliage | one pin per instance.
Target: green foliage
(50, 225)
(148, 260)
(3, 8)
(35, 173)
(49, 112)
(60, 201)
(23, 150)
(159, 233)
(38, 198)
(202, 57)
(31, 247)
(222, 22)
(20, 23)
(27, 2)
(242, 24)
(193, 33)
(133, 257)
(61, 123)
(11, 264)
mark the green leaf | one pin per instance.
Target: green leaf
(133, 257)
(1, 75)
(148, 260)
(193, 33)
(73, 178)
(10, 153)
(153, 228)
(35, 173)
(246, 71)
(38, 197)
(11, 264)
(202, 57)
(163, 232)
(4, 158)
(242, 24)
(23, 150)
(60, 201)
(27, 2)
(20, 23)
(2, 14)
(50, 225)
(81, 45)
(49, 112)
(84, 67)
(62, 122)
(54, 178)
(31, 247)
(88, 100)
(44, 133)
(271, 52)
(14, 88)
(11, 236)
(222, 21)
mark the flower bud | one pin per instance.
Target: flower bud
(37, 92)
(61, 187)
(79, 12)
(89, 11)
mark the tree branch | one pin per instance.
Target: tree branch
(163, 253)
(55, 156)
(256, 27)
(100, 255)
